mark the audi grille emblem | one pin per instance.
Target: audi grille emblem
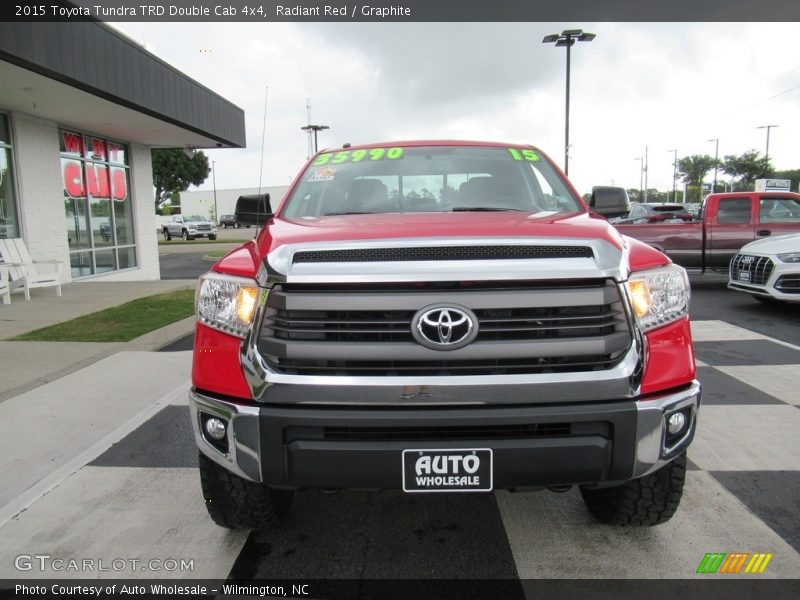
(444, 327)
(748, 259)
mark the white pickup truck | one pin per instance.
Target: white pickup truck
(189, 228)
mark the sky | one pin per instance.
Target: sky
(638, 87)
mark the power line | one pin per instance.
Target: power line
(773, 97)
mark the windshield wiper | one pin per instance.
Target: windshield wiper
(352, 212)
(484, 209)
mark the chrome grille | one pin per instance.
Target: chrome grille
(756, 269)
(536, 329)
(203, 227)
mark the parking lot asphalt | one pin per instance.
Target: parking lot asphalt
(132, 476)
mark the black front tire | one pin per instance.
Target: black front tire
(167, 235)
(236, 226)
(647, 501)
(236, 503)
(212, 237)
(186, 236)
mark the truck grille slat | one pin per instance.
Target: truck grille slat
(554, 364)
(344, 326)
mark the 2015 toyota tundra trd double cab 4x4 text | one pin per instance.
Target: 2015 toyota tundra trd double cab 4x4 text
(441, 317)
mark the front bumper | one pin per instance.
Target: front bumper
(314, 446)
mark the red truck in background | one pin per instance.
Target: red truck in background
(727, 222)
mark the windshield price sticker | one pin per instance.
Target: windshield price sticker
(337, 158)
(523, 154)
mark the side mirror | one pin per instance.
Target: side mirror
(253, 210)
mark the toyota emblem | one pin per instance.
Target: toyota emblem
(444, 327)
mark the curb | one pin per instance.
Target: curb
(149, 342)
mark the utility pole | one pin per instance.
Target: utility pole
(716, 160)
(766, 154)
(675, 174)
(641, 176)
(646, 163)
(214, 183)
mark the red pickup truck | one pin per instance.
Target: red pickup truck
(440, 317)
(727, 222)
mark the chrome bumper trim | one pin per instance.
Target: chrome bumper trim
(244, 432)
(244, 435)
(651, 450)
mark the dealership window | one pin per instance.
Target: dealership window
(97, 204)
(9, 223)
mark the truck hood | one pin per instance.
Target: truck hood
(614, 255)
(341, 228)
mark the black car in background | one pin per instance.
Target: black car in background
(226, 221)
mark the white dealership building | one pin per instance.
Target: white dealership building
(81, 107)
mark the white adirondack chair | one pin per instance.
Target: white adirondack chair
(24, 272)
(5, 289)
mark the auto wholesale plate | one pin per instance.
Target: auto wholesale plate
(448, 470)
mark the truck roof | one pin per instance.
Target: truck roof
(412, 143)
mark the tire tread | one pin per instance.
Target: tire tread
(650, 500)
(236, 503)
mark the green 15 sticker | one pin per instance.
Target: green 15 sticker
(337, 158)
(523, 154)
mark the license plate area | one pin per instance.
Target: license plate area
(744, 276)
(448, 470)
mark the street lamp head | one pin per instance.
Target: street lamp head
(568, 37)
(314, 127)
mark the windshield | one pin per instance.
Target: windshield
(429, 179)
(193, 218)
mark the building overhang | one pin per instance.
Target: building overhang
(88, 76)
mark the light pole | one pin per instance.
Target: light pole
(716, 160)
(641, 176)
(567, 39)
(675, 175)
(214, 183)
(315, 129)
(766, 154)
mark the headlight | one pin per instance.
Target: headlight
(226, 303)
(790, 257)
(659, 296)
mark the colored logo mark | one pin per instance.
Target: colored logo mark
(733, 563)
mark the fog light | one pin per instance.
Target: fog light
(676, 423)
(216, 428)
